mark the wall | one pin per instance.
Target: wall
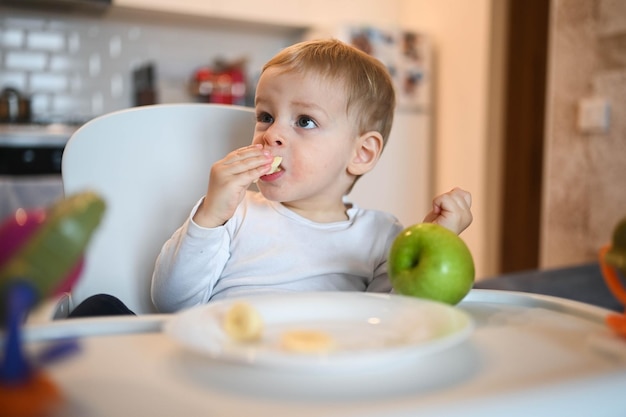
(585, 173)
(81, 64)
(461, 32)
(281, 12)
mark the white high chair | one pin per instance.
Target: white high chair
(151, 165)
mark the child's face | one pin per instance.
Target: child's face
(303, 119)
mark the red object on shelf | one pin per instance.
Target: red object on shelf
(224, 84)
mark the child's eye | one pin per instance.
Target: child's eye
(306, 122)
(264, 118)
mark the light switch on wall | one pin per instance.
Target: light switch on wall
(594, 115)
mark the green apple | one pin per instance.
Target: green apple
(427, 260)
(616, 256)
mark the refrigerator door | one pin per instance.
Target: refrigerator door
(401, 182)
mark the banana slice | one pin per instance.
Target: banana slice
(306, 341)
(243, 323)
(275, 164)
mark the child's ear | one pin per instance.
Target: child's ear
(367, 150)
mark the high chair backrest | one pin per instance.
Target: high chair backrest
(151, 164)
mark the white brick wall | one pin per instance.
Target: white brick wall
(80, 66)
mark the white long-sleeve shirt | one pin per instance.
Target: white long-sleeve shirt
(265, 247)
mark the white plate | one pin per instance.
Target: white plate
(367, 329)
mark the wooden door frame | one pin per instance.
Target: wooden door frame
(524, 120)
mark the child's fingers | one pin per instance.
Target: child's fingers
(245, 153)
(452, 210)
(460, 196)
(463, 197)
(245, 160)
(454, 200)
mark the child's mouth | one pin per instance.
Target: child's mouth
(276, 165)
(274, 169)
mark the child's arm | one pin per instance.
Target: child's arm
(452, 210)
(229, 180)
(188, 266)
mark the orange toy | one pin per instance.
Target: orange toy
(38, 396)
(612, 260)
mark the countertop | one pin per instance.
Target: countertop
(55, 134)
(580, 282)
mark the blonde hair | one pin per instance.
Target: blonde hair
(367, 83)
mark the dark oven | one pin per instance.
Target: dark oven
(30, 165)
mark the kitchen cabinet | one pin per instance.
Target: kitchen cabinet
(287, 13)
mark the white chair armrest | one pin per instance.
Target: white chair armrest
(51, 309)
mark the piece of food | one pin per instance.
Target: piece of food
(275, 164)
(306, 341)
(429, 261)
(243, 323)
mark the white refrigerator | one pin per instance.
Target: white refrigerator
(402, 181)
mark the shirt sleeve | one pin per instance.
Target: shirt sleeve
(188, 266)
(381, 282)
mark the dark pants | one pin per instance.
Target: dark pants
(100, 305)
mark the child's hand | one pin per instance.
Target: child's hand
(452, 210)
(229, 180)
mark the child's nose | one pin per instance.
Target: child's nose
(273, 139)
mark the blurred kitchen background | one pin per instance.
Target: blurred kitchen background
(520, 101)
